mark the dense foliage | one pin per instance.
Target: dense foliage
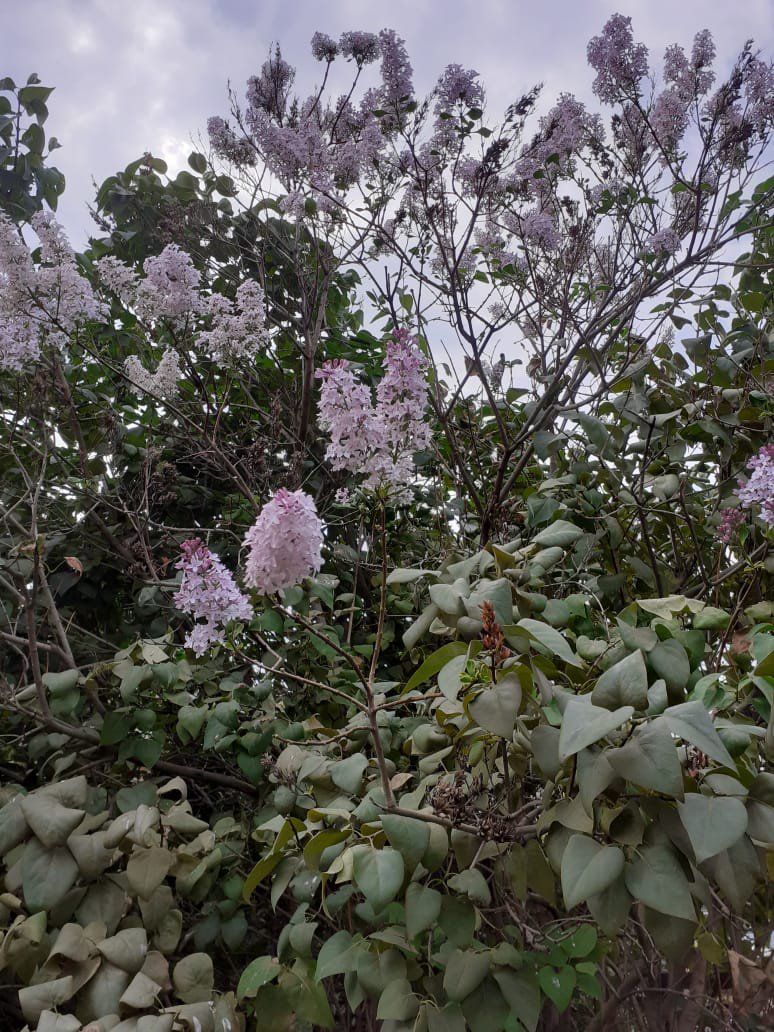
(348, 683)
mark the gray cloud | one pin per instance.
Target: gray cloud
(145, 75)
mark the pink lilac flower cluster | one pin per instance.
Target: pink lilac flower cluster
(284, 543)
(238, 328)
(759, 489)
(209, 593)
(48, 300)
(730, 521)
(619, 62)
(378, 440)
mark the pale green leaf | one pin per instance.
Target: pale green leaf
(588, 868)
(583, 724)
(713, 823)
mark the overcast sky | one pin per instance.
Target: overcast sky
(144, 75)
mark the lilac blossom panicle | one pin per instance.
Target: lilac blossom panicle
(538, 227)
(269, 92)
(64, 295)
(225, 142)
(691, 79)
(118, 277)
(564, 131)
(323, 47)
(619, 62)
(170, 290)
(362, 47)
(662, 242)
(759, 90)
(759, 489)
(46, 301)
(238, 328)
(458, 85)
(669, 119)
(284, 543)
(162, 383)
(730, 521)
(401, 394)
(209, 593)
(398, 86)
(346, 413)
(377, 441)
(19, 331)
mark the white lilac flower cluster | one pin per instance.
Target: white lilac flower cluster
(170, 295)
(209, 593)
(48, 300)
(160, 384)
(662, 243)
(238, 328)
(377, 440)
(284, 543)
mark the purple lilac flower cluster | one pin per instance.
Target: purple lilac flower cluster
(730, 521)
(538, 227)
(398, 86)
(564, 131)
(759, 489)
(284, 543)
(324, 48)
(209, 593)
(362, 47)
(619, 62)
(225, 141)
(377, 440)
(458, 85)
(687, 80)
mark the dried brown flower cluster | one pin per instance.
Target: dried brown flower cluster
(492, 635)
